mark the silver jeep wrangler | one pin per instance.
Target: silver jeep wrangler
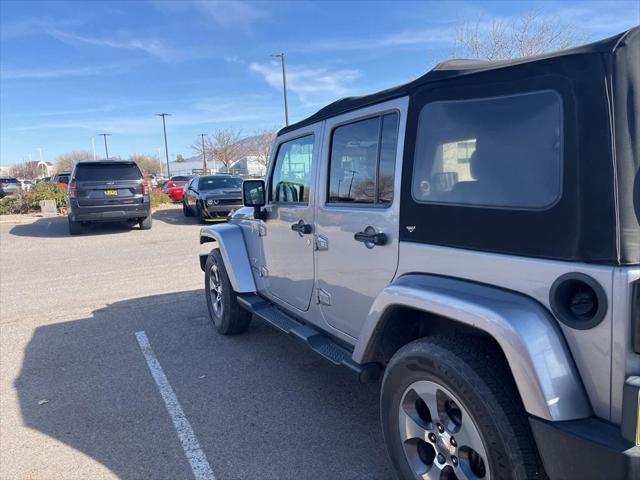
(473, 237)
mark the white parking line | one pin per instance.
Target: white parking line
(197, 459)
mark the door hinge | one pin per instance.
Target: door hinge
(322, 242)
(263, 271)
(324, 298)
(262, 230)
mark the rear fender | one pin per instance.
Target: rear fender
(229, 240)
(539, 359)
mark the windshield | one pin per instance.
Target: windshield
(212, 183)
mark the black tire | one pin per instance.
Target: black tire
(201, 217)
(75, 228)
(231, 319)
(470, 369)
(145, 223)
(186, 211)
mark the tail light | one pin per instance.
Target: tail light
(635, 316)
(73, 189)
(145, 188)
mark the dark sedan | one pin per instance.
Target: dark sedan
(212, 197)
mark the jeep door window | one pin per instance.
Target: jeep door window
(292, 171)
(500, 152)
(362, 163)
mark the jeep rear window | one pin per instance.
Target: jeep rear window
(97, 172)
(362, 163)
(498, 152)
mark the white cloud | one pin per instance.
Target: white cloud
(231, 14)
(43, 73)
(313, 86)
(153, 46)
(201, 112)
(434, 36)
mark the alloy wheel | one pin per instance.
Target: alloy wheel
(439, 438)
(215, 291)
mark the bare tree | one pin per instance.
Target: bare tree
(532, 34)
(225, 146)
(149, 165)
(66, 161)
(261, 145)
(25, 170)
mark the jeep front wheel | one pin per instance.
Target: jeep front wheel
(224, 311)
(450, 410)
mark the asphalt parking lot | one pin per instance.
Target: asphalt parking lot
(79, 400)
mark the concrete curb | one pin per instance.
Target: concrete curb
(15, 219)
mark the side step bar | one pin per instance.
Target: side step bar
(313, 338)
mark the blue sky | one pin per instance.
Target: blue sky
(71, 70)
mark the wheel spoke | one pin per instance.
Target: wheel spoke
(409, 428)
(461, 472)
(468, 436)
(428, 395)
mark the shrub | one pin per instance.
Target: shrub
(17, 203)
(46, 191)
(158, 197)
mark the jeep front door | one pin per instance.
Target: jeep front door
(357, 218)
(288, 268)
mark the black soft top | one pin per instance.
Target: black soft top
(598, 219)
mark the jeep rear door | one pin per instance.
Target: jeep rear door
(358, 213)
(288, 269)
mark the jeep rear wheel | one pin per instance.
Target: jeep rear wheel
(224, 311)
(450, 410)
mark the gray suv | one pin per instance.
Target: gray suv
(108, 191)
(472, 238)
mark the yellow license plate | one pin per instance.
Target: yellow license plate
(111, 193)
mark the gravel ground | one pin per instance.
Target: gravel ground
(77, 399)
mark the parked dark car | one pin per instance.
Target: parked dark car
(212, 197)
(108, 191)
(8, 186)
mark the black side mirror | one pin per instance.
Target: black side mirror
(253, 195)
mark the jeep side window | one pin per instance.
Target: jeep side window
(362, 163)
(503, 152)
(290, 179)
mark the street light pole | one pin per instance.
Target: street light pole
(284, 85)
(93, 144)
(106, 149)
(166, 147)
(204, 157)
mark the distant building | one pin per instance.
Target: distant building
(44, 169)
